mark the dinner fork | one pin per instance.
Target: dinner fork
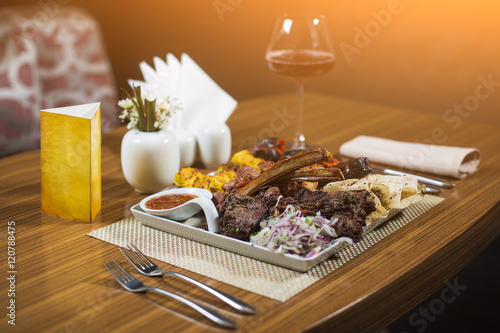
(146, 267)
(130, 283)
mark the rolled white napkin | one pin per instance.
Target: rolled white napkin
(456, 162)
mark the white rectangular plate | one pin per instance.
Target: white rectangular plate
(246, 248)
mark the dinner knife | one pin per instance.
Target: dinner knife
(425, 180)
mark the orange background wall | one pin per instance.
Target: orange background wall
(427, 55)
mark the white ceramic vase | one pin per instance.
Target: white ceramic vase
(150, 159)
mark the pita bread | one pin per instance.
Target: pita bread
(403, 190)
(388, 192)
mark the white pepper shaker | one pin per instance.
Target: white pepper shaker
(214, 143)
(187, 147)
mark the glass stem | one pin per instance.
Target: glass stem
(300, 140)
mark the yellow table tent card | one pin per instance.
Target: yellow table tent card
(70, 149)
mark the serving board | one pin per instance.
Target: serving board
(187, 230)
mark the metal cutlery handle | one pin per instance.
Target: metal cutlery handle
(209, 313)
(428, 189)
(228, 299)
(425, 180)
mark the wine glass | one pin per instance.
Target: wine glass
(299, 49)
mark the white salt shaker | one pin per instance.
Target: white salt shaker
(214, 143)
(187, 147)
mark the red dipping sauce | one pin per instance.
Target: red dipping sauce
(170, 200)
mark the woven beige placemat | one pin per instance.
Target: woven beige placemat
(250, 274)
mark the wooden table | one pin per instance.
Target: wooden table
(62, 286)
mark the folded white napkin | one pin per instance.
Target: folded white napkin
(456, 162)
(203, 100)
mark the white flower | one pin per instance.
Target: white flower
(163, 112)
(126, 103)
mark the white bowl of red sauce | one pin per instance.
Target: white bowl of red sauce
(182, 203)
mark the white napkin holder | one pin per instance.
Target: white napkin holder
(200, 127)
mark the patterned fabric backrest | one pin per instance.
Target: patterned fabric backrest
(50, 59)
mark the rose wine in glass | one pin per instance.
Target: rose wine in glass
(299, 49)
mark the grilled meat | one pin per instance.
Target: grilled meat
(348, 203)
(243, 175)
(355, 168)
(240, 215)
(241, 211)
(269, 149)
(349, 227)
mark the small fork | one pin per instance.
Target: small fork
(130, 283)
(148, 268)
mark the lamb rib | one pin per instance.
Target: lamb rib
(285, 166)
(331, 174)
